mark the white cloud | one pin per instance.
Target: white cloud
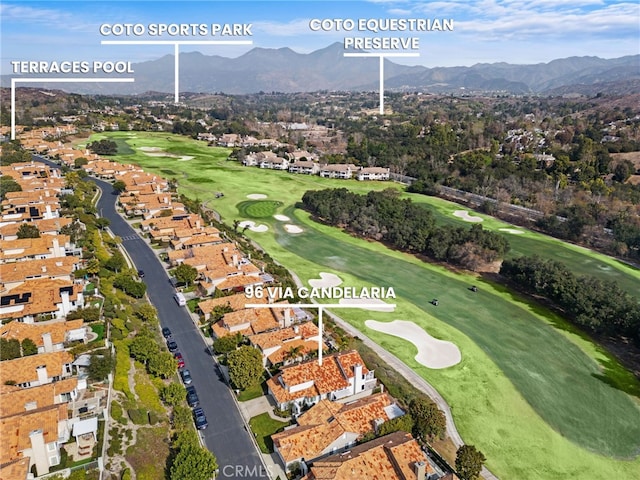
(20, 14)
(283, 29)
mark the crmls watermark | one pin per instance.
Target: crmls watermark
(348, 293)
(246, 471)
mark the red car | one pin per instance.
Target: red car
(179, 358)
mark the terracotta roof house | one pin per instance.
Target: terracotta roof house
(15, 400)
(396, 456)
(328, 427)
(287, 344)
(47, 246)
(48, 336)
(36, 370)
(36, 434)
(246, 322)
(50, 226)
(235, 302)
(16, 469)
(340, 375)
(59, 268)
(44, 297)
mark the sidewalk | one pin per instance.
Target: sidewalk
(250, 409)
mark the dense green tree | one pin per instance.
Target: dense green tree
(173, 394)
(28, 230)
(162, 364)
(8, 184)
(469, 462)
(101, 365)
(142, 348)
(9, 349)
(116, 262)
(227, 343)
(185, 273)
(80, 161)
(428, 420)
(119, 186)
(103, 147)
(102, 222)
(193, 463)
(403, 423)
(147, 313)
(28, 347)
(245, 367)
(88, 314)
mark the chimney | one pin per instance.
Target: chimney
(44, 268)
(39, 451)
(420, 468)
(47, 342)
(287, 319)
(43, 378)
(234, 260)
(198, 224)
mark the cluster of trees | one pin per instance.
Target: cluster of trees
(13, 348)
(601, 307)
(12, 152)
(8, 184)
(245, 367)
(125, 282)
(103, 147)
(144, 348)
(404, 225)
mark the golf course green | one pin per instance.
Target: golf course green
(537, 397)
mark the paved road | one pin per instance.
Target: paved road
(226, 436)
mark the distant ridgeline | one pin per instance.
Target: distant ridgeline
(406, 226)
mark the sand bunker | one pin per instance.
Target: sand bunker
(293, 228)
(256, 196)
(513, 231)
(282, 218)
(371, 304)
(158, 152)
(432, 353)
(253, 227)
(325, 280)
(464, 215)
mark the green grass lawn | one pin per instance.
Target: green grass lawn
(148, 456)
(263, 426)
(531, 393)
(258, 208)
(251, 393)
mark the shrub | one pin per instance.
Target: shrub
(139, 416)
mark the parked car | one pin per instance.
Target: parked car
(172, 346)
(141, 273)
(192, 397)
(186, 376)
(166, 333)
(200, 418)
(178, 357)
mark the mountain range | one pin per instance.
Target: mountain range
(284, 70)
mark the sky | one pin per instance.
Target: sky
(484, 31)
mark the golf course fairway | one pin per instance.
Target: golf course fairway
(538, 398)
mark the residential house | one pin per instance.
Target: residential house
(13, 274)
(287, 344)
(307, 167)
(271, 161)
(372, 173)
(38, 299)
(47, 336)
(234, 302)
(328, 427)
(338, 170)
(17, 469)
(396, 456)
(249, 321)
(35, 370)
(46, 246)
(9, 231)
(36, 434)
(337, 377)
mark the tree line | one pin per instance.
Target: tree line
(601, 307)
(386, 217)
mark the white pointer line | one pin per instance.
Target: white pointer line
(320, 306)
(176, 44)
(15, 81)
(381, 56)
